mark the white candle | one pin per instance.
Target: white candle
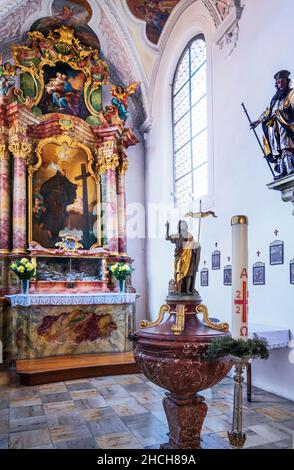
(239, 277)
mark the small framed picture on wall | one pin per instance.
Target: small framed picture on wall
(215, 260)
(228, 275)
(292, 271)
(204, 278)
(277, 252)
(259, 274)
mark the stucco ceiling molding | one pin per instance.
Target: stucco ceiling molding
(123, 55)
(11, 25)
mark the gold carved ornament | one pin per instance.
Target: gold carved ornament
(20, 149)
(105, 159)
(32, 168)
(61, 45)
(147, 324)
(123, 166)
(202, 309)
(179, 326)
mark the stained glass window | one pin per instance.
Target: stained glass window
(189, 97)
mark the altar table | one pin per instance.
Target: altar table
(44, 325)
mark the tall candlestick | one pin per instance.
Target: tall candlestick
(240, 277)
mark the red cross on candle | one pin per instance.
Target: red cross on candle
(243, 302)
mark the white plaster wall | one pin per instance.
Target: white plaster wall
(239, 173)
(135, 194)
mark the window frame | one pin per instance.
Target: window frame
(190, 141)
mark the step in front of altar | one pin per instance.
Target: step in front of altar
(61, 368)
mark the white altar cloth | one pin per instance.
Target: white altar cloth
(276, 337)
(72, 299)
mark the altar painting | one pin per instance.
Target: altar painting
(64, 91)
(64, 197)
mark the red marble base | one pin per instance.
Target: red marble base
(175, 362)
(185, 419)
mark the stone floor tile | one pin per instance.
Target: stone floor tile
(126, 406)
(4, 425)
(67, 419)
(4, 413)
(25, 402)
(216, 424)
(3, 441)
(112, 391)
(124, 440)
(269, 432)
(4, 403)
(79, 386)
(276, 413)
(146, 428)
(27, 424)
(56, 397)
(102, 427)
(61, 407)
(90, 403)
(69, 433)
(29, 439)
(142, 387)
(97, 414)
(103, 382)
(86, 443)
(26, 411)
(47, 389)
(153, 406)
(128, 379)
(147, 397)
(80, 394)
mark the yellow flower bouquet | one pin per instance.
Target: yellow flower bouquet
(121, 271)
(24, 268)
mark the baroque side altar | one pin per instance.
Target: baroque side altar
(63, 162)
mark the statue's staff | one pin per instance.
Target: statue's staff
(258, 140)
(200, 215)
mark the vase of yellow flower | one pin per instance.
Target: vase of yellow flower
(121, 271)
(25, 269)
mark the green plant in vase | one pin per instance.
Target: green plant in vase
(25, 269)
(121, 271)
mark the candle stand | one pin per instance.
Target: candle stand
(236, 436)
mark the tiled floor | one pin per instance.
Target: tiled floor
(125, 412)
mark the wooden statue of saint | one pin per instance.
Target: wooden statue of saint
(187, 257)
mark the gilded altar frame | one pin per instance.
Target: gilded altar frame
(33, 167)
(61, 45)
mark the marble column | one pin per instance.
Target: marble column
(4, 199)
(20, 151)
(121, 206)
(108, 162)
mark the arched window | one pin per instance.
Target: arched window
(189, 99)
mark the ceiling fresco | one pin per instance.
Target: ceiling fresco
(156, 13)
(74, 13)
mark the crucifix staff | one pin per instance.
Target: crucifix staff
(86, 229)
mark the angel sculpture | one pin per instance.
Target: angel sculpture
(121, 95)
(7, 77)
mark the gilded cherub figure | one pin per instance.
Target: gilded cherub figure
(121, 95)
